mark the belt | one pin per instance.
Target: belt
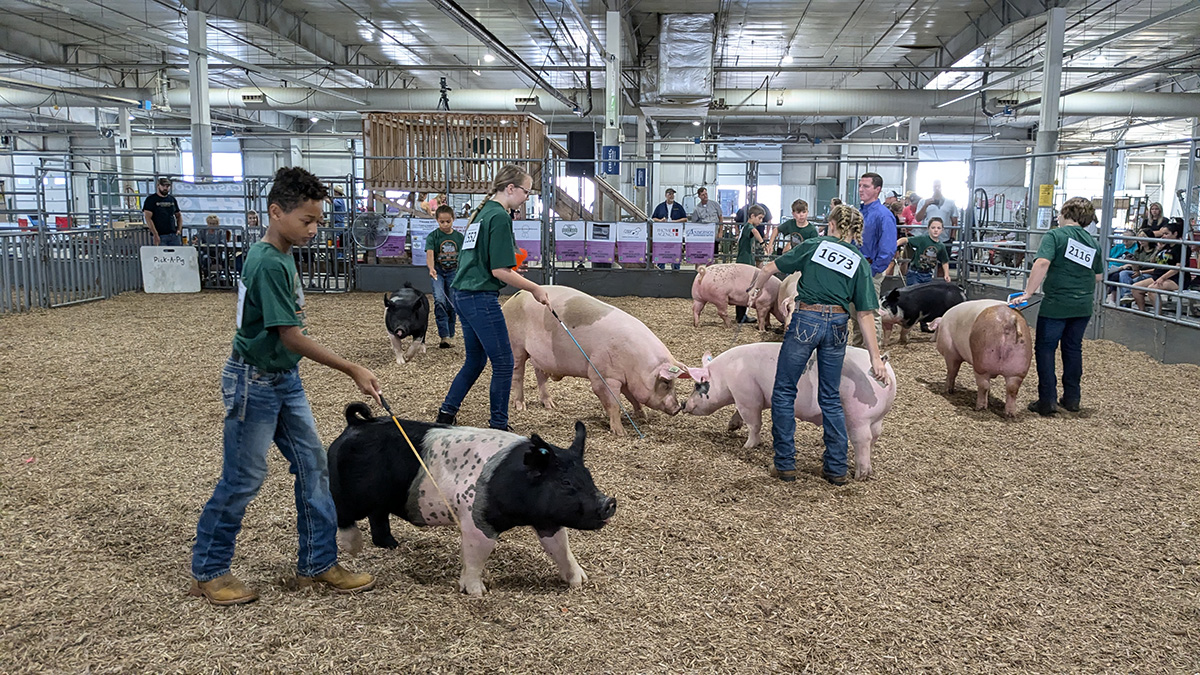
(836, 309)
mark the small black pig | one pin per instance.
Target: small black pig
(494, 481)
(407, 315)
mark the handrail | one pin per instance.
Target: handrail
(609, 191)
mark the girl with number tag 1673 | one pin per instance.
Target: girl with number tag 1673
(1070, 265)
(833, 275)
(489, 252)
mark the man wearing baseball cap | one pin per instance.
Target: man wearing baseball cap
(161, 214)
(669, 210)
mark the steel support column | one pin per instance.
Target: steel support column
(914, 154)
(1047, 136)
(201, 117)
(612, 102)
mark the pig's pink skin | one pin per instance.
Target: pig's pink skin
(726, 284)
(785, 301)
(745, 376)
(890, 319)
(995, 339)
(633, 361)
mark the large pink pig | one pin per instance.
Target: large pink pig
(726, 284)
(994, 339)
(632, 360)
(745, 377)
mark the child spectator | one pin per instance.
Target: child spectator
(1067, 260)
(264, 400)
(441, 257)
(745, 247)
(793, 230)
(1168, 254)
(929, 256)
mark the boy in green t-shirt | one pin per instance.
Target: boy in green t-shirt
(793, 230)
(441, 257)
(833, 275)
(265, 400)
(929, 255)
(1069, 264)
(750, 234)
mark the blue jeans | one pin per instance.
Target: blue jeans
(261, 407)
(169, 240)
(826, 332)
(1128, 277)
(443, 308)
(485, 338)
(914, 277)
(1050, 333)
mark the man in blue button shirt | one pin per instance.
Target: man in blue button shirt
(879, 236)
(669, 211)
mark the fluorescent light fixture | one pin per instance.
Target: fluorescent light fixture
(695, 123)
(477, 72)
(786, 60)
(131, 118)
(314, 120)
(487, 56)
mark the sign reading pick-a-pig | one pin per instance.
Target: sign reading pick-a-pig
(668, 243)
(631, 242)
(570, 240)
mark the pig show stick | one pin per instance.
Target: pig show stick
(602, 380)
(421, 461)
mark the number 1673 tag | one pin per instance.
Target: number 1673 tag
(837, 258)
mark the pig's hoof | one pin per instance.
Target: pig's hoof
(577, 578)
(350, 540)
(399, 360)
(385, 542)
(862, 474)
(518, 405)
(548, 404)
(751, 443)
(472, 587)
(619, 432)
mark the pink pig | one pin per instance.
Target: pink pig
(994, 339)
(726, 284)
(745, 376)
(632, 360)
(785, 301)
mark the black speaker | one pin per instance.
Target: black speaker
(581, 153)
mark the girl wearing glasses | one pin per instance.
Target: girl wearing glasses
(485, 265)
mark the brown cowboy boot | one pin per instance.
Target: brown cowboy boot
(224, 590)
(339, 579)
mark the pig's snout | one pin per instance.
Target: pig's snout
(608, 507)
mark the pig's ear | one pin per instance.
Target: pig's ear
(580, 437)
(540, 455)
(707, 359)
(669, 371)
(387, 300)
(698, 374)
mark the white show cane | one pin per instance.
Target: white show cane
(602, 380)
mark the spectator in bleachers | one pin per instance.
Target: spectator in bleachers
(1132, 272)
(209, 241)
(1154, 219)
(1164, 254)
(1122, 249)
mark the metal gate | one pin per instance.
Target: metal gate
(326, 264)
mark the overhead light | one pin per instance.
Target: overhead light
(487, 56)
(695, 123)
(787, 59)
(477, 72)
(131, 118)
(314, 120)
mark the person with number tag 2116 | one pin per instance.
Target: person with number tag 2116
(1070, 265)
(833, 274)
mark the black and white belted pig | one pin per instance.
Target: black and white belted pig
(631, 359)
(493, 480)
(925, 302)
(407, 315)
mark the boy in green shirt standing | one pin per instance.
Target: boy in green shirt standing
(1070, 266)
(929, 255)
(833, 276)
(441, 257)
(265, 400)
(750, 234)
(795, 229)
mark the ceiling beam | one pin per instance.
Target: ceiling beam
(999, 15)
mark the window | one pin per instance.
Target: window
(224, 165)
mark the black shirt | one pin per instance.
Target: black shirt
(162, 212)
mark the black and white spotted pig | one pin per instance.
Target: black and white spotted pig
(494, 480)
(407, 315)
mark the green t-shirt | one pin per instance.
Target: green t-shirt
(745, 244)
(488, 245)
(789, 228)
(832, 272)
(269, 296)
(1071, 279)
(928, 254)
(445, 248)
